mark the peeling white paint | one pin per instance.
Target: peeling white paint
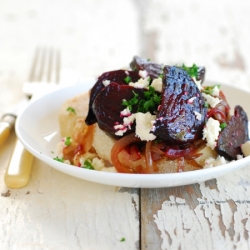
(220, 220)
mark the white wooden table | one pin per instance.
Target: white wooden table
(57, 211)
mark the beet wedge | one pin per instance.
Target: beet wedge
(235, 134)
(181, 115)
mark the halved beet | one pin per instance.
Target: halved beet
(117, 76)
(181, 115)
(235, 134)
(107, 106)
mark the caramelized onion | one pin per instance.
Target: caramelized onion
(125, 157)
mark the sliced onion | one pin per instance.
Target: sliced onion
(117, 148)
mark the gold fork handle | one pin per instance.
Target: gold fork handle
(17, 174)
(6, 125)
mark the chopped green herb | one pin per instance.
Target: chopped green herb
(150, 102)
(130, 103)
(223, 125)
(209, 89)
(127, 79)
(122, 239)
(52, 152)
(88, 164)
(67, 141)
(58, 159)
(71, 110)
(192, 71)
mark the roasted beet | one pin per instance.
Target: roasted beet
(117, 76)
(107, 106)
(154, 70)
(181, 115)
(235, 134)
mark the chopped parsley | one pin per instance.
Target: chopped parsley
(192, 71)
(209, 89)
(71, 110)
(88, 164)
(130, 103)
(127, 79)
(58, 159)
(223, 125)
(149, 103)
(67, 141)
(122, 239)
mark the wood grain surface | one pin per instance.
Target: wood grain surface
(57, 211)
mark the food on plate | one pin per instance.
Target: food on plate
(152, 118)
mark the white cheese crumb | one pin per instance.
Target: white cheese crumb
(98, 164)
(239, 157)
(211, 132)
(211, 162)
(126, 112)
(106, 82)
(144, 125)
(220, 160)
(127, 122)
(212, 101)
(140, 84)
(216, 91)
(245, 148)
(109, 169)
(197, 115)
(191, 100)
(143, 73)
(157, 84)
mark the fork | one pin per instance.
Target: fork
(44, 76)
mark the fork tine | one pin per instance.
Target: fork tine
(45, 69)
(42, 64)
(58, 66)
(32, 75)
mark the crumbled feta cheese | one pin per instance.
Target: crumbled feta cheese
(157, 84)
(106, 82)
(220, 160)
(197, 115)
(109, 169)
(191, 100)
(212, 101)
(127, 122)
(98, 164)
(216, 91)
(212, 162)
(126, 112)
(140, 84)
(245, 148)
(239, 157)
(144, 125)
(209, 162)
(211, 132)
(143, 73)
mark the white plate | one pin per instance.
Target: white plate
(38, 129)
